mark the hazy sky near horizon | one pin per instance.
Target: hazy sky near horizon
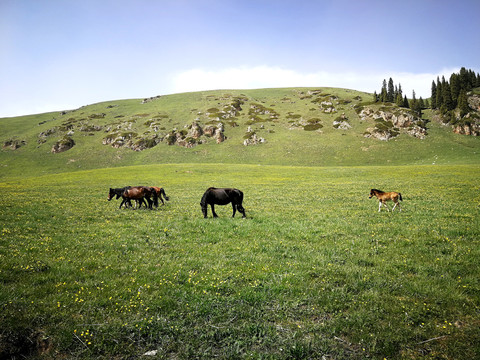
(62, 54)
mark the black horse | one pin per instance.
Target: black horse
(217, 196)
(118, 193)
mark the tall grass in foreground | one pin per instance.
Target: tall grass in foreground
(313, 272)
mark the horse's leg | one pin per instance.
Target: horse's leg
(385, 203)
(241, 210)
(213, 210)
(379, 206)
(234, 209)
(150, 202)
(394, 206)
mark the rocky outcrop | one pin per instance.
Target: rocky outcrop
(64, 144)
(13, 144)
(389, 123)
(467, 128)
(42, 137)
(251, 138)
(342, 123)
(194, 135)
(468, 124)
(474, 102)
(147, 100)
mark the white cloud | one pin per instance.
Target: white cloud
(272, 77)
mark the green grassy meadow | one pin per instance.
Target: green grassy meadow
(313, 272)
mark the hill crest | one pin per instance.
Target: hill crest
(310, 126)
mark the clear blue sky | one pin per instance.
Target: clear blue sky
(63, 54)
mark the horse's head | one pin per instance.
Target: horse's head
(203, 205)
(375, 192)
(111, 194)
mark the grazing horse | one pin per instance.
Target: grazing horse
(383, 197)
(214, 196)
(139, 193)
(161, 192)
(118, 193)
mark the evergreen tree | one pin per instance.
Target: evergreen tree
(375, 96)
(405, 102)
(434, 95)
(447, 96)
(439, 97)
(399, 99)
(421, 103)
(383, 93)
(463, 78)
(454, 89)
(463, 103)
(390, 91)
(416, 105)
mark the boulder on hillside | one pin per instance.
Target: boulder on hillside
(64, 144)
(13, 144)
(251, 138)
(195, 131)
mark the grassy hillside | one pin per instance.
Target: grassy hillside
(295, 122)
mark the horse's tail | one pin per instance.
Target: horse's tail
(154, 195)
(400, 196)
(162, 192)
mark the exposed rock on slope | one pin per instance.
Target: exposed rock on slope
(63, 145)
(389, 122)
(13, 144)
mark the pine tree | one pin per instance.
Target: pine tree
(463, 103)
(390, 91)
(383, 93)
(439, 98)
(447, 96)
(416, 105)
(454, 89)
(421, 103)
(399, 99)
(434, 95)
(405, 102)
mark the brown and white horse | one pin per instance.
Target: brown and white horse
(383, 197)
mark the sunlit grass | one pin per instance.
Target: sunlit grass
(314, 271)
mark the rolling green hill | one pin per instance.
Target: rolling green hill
(297, 125)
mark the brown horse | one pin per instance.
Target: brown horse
(140, 193)
(160, 192)
(383, 197)
(222, 197)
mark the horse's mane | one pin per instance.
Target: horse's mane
(379, 191)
